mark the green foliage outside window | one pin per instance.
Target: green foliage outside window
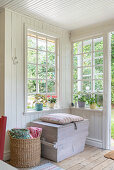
(88, 61)
(41, 62)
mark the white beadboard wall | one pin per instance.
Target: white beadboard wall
(95, 118)
(2, 45)
(14, 74)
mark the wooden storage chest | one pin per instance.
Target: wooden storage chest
(62, 141)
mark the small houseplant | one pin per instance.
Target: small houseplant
(93, 102)
(39, 101)
(81, 99)
(51, 101)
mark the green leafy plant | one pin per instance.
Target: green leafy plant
(81, 96)
(92, 100)
(39, 98)
(52, 99)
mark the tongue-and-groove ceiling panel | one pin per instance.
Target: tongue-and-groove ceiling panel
(68, 14)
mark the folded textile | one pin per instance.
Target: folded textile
(20, 133)
(35, 131)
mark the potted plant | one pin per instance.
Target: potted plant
(93, 102)
(81, 99)
(51, 101)
(39, 101)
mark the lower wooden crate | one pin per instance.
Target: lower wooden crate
(65, 149)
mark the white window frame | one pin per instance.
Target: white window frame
(92, 79)
(26, 53)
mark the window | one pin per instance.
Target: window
(88, 68)
(41, 66)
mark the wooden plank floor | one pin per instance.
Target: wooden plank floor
(92, 158)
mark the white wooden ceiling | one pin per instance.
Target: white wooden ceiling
(68, 14)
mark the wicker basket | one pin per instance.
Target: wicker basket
(25, 152)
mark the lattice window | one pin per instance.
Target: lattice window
(41, 66)
(88, 67)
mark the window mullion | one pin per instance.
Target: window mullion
(37, 90)
(82, 67)
(46, 66)
(93, 74)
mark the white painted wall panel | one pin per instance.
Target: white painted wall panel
(2, 46)
(95, 125)
(14, 73)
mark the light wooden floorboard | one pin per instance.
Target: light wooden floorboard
(91, 158)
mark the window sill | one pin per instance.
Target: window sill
(97, 109)
(45, 110)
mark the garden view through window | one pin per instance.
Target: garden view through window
(88, 69)
(41, 66)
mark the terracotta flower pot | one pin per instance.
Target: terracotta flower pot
(51, 105)
(93, 106)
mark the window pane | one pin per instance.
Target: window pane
(98, 61)
(31, 86)
(32, 42)
(98, 85)
(51, 75)
(86, 70)
(77, 48)
(98, 54)
(51, 72)
(51, 58)
(51, 69)
(98, 69)
(99, 76)
(41, 43)
(75, 61)
(86, 85)
(51, 45)
(41, 72)
(41, 86)
(31, 71)
(87, 46)
(75, 74)
(99, 99)
(41, 57)
(87, 59)
(30, 100)
(31, 56)
(87, 56)
(51, 86)
(75, 88)
(98, 44)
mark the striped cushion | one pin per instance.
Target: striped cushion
(61, 118)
